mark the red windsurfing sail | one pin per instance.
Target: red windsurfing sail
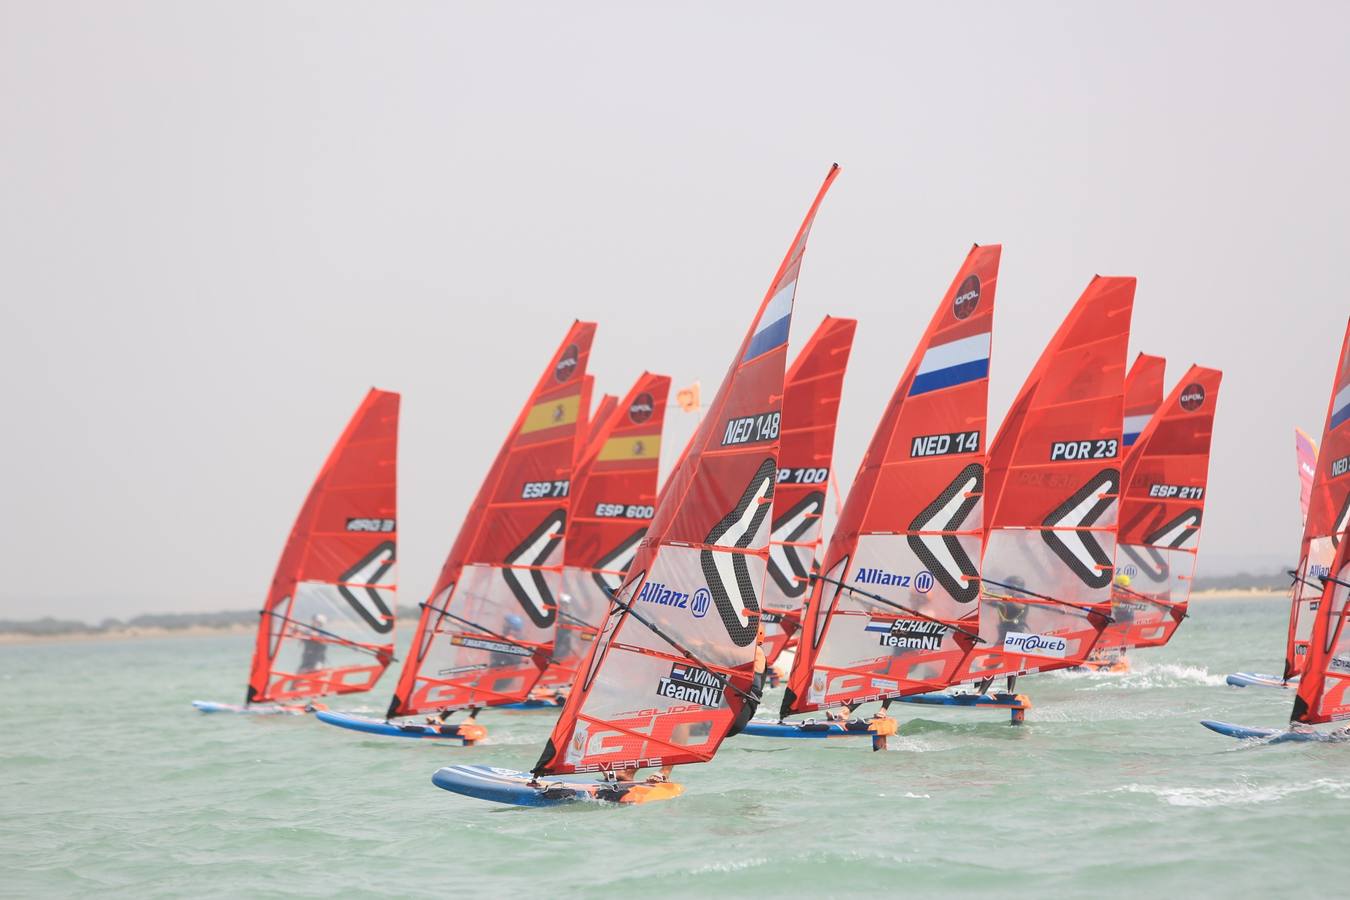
(486, 633)
(603, 411)
(1051, 496)
(1328, 509)
(1143, 395)
(810, 412)
(1324, 690)
(901, 571)
(1305, 448)
(673, 664)
(1161, 509)
(613, 499)
(327, 626)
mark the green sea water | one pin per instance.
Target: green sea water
(110, 783)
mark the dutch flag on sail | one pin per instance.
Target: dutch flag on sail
(1134, 426)
(956, 362)
(772, 330)
(1340, 406)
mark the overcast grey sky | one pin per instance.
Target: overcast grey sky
(220, 223)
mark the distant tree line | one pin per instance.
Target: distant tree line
(1276, 581)
(48, 626)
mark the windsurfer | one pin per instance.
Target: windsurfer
(1012, 617)
(512, 626)
(756, 693)
(437, 721)
(314, 650)
(1122, 610)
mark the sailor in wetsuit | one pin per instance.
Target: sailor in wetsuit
(512, 626)
(314, 650)
(1122, 610)
(756, 692)
(1012, 617)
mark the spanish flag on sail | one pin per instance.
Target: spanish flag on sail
(647, 446)
(551, 414)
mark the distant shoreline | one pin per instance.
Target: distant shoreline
(147, 632)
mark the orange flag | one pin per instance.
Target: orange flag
(688, 398)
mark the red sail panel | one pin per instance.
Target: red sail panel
(1328, 509)
(810, 412)
(613, 499)
(1143, 395)
(486, 633)
(603, 410)
(1161, 509)
(1051, 496)
(1305, 449)
(327, 626)
(671, 668)
(910, 532)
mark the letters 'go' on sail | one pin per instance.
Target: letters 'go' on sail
(327, 626)
(486, 635)
(1324, 690)
(908, 538)
(670, 670)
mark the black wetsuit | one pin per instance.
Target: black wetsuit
(312, 654)
(751, 704)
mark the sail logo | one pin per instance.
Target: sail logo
(923, 582)
(372, 526)
(1193, 397)
(567, 364)
(792, 544)
(967, 297)
(728, 574)
(524, 569)
(906, 634)
(1340, 466)
(932, 539)
(699, 605)
(751, 429)
(658, 593)
(1339, 664)
(1035, 644)
(641, 409)
(690, 684)
(865, 575)
(360, 587)
(1068, 529)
